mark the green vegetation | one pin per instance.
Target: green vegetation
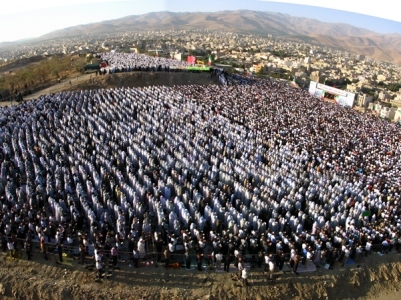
(394, 87)
(338, 83)
(386, 104)
(281, 73)
(34, 75)
(280, 53)
(89, 58)
(198, 69)
(368, 91)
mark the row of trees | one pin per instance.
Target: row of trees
(33, 75)
(394, 87)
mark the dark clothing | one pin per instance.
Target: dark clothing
(295, 267)
(167, 259)
(28, 249)
(199, 261)
(159, 249)
(227, 261)
(43, 248)
(187, 261)
(135, 259)
(280, 260)
(60, 252)
(82, 253)
(260, 260)
(330, 258)
(99, 273)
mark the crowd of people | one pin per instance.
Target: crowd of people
(252, 170)
(130, 62)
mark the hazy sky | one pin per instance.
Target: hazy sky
(32, 18)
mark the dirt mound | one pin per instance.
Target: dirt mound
(141, 79)
(371, 278)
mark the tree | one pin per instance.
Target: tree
(42, 73)
(89, 58)
(347, 81)
(394, 87)
(26, 76)
(10, 83)
(35, 74)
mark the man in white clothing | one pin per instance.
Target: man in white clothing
(271, 268)
(346, 253)
(240, 268)
(10, 246)
(219, 258)
(99, 268)
(368, 247)
(244, 276)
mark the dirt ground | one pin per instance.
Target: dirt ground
(375, 277)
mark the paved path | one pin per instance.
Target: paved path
(58, 87)
(62, 86)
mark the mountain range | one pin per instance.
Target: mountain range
(385, 47)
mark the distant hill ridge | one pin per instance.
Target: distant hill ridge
(384, 47)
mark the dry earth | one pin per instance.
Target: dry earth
(373, 278)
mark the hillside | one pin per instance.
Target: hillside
(340, 35)
(241, 20)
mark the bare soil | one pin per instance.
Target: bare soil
(375, 277)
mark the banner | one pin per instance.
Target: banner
(342, 98)
(195, 68)
(191, 59)
(366, 213)
(331, 90)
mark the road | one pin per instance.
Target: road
(58, 87)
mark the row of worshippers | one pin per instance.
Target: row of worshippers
(130, 62)
(325, 246)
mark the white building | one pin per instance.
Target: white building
(381, 78)
(383, 96)
(397, 115)
(363, 100)
(387, 112)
